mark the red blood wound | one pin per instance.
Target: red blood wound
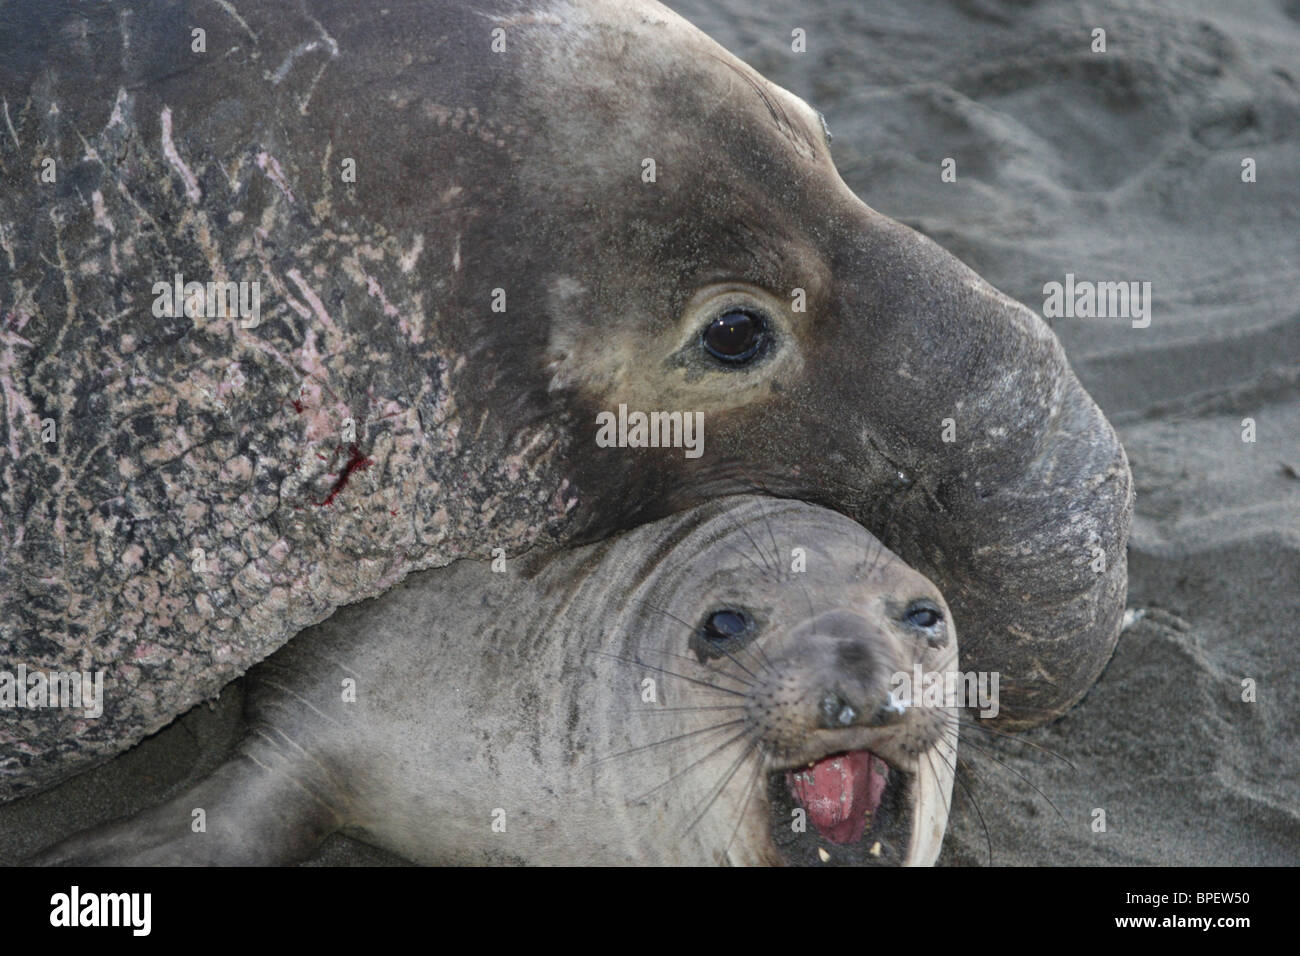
(356, 462)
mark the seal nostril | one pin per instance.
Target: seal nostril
(837, 712)
(890, 713)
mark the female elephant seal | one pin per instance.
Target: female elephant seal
(676, 695)
(296, 299)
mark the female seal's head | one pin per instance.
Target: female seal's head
(783, 642)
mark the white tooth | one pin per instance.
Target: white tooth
(875, 848)
(826, 857)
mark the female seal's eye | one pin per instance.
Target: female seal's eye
(721, 633)
(724, 625)
(923, 614)
(735, 336)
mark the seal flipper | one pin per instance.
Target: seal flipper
(255, 812)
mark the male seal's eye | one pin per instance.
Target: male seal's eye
(735, 336)
(923, 615)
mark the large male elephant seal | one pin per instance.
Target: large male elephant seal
(480, 233)
(676, 695)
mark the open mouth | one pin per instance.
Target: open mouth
(857, 811)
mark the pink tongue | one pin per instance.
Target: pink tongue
(838, 792)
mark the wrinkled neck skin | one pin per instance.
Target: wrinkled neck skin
(217, 485)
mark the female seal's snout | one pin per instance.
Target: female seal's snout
(836, 669)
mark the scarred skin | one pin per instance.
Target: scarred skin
(475, 171)
(454, 720)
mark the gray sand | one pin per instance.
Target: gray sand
(1117, 166)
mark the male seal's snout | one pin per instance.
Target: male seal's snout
(1024, 480)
